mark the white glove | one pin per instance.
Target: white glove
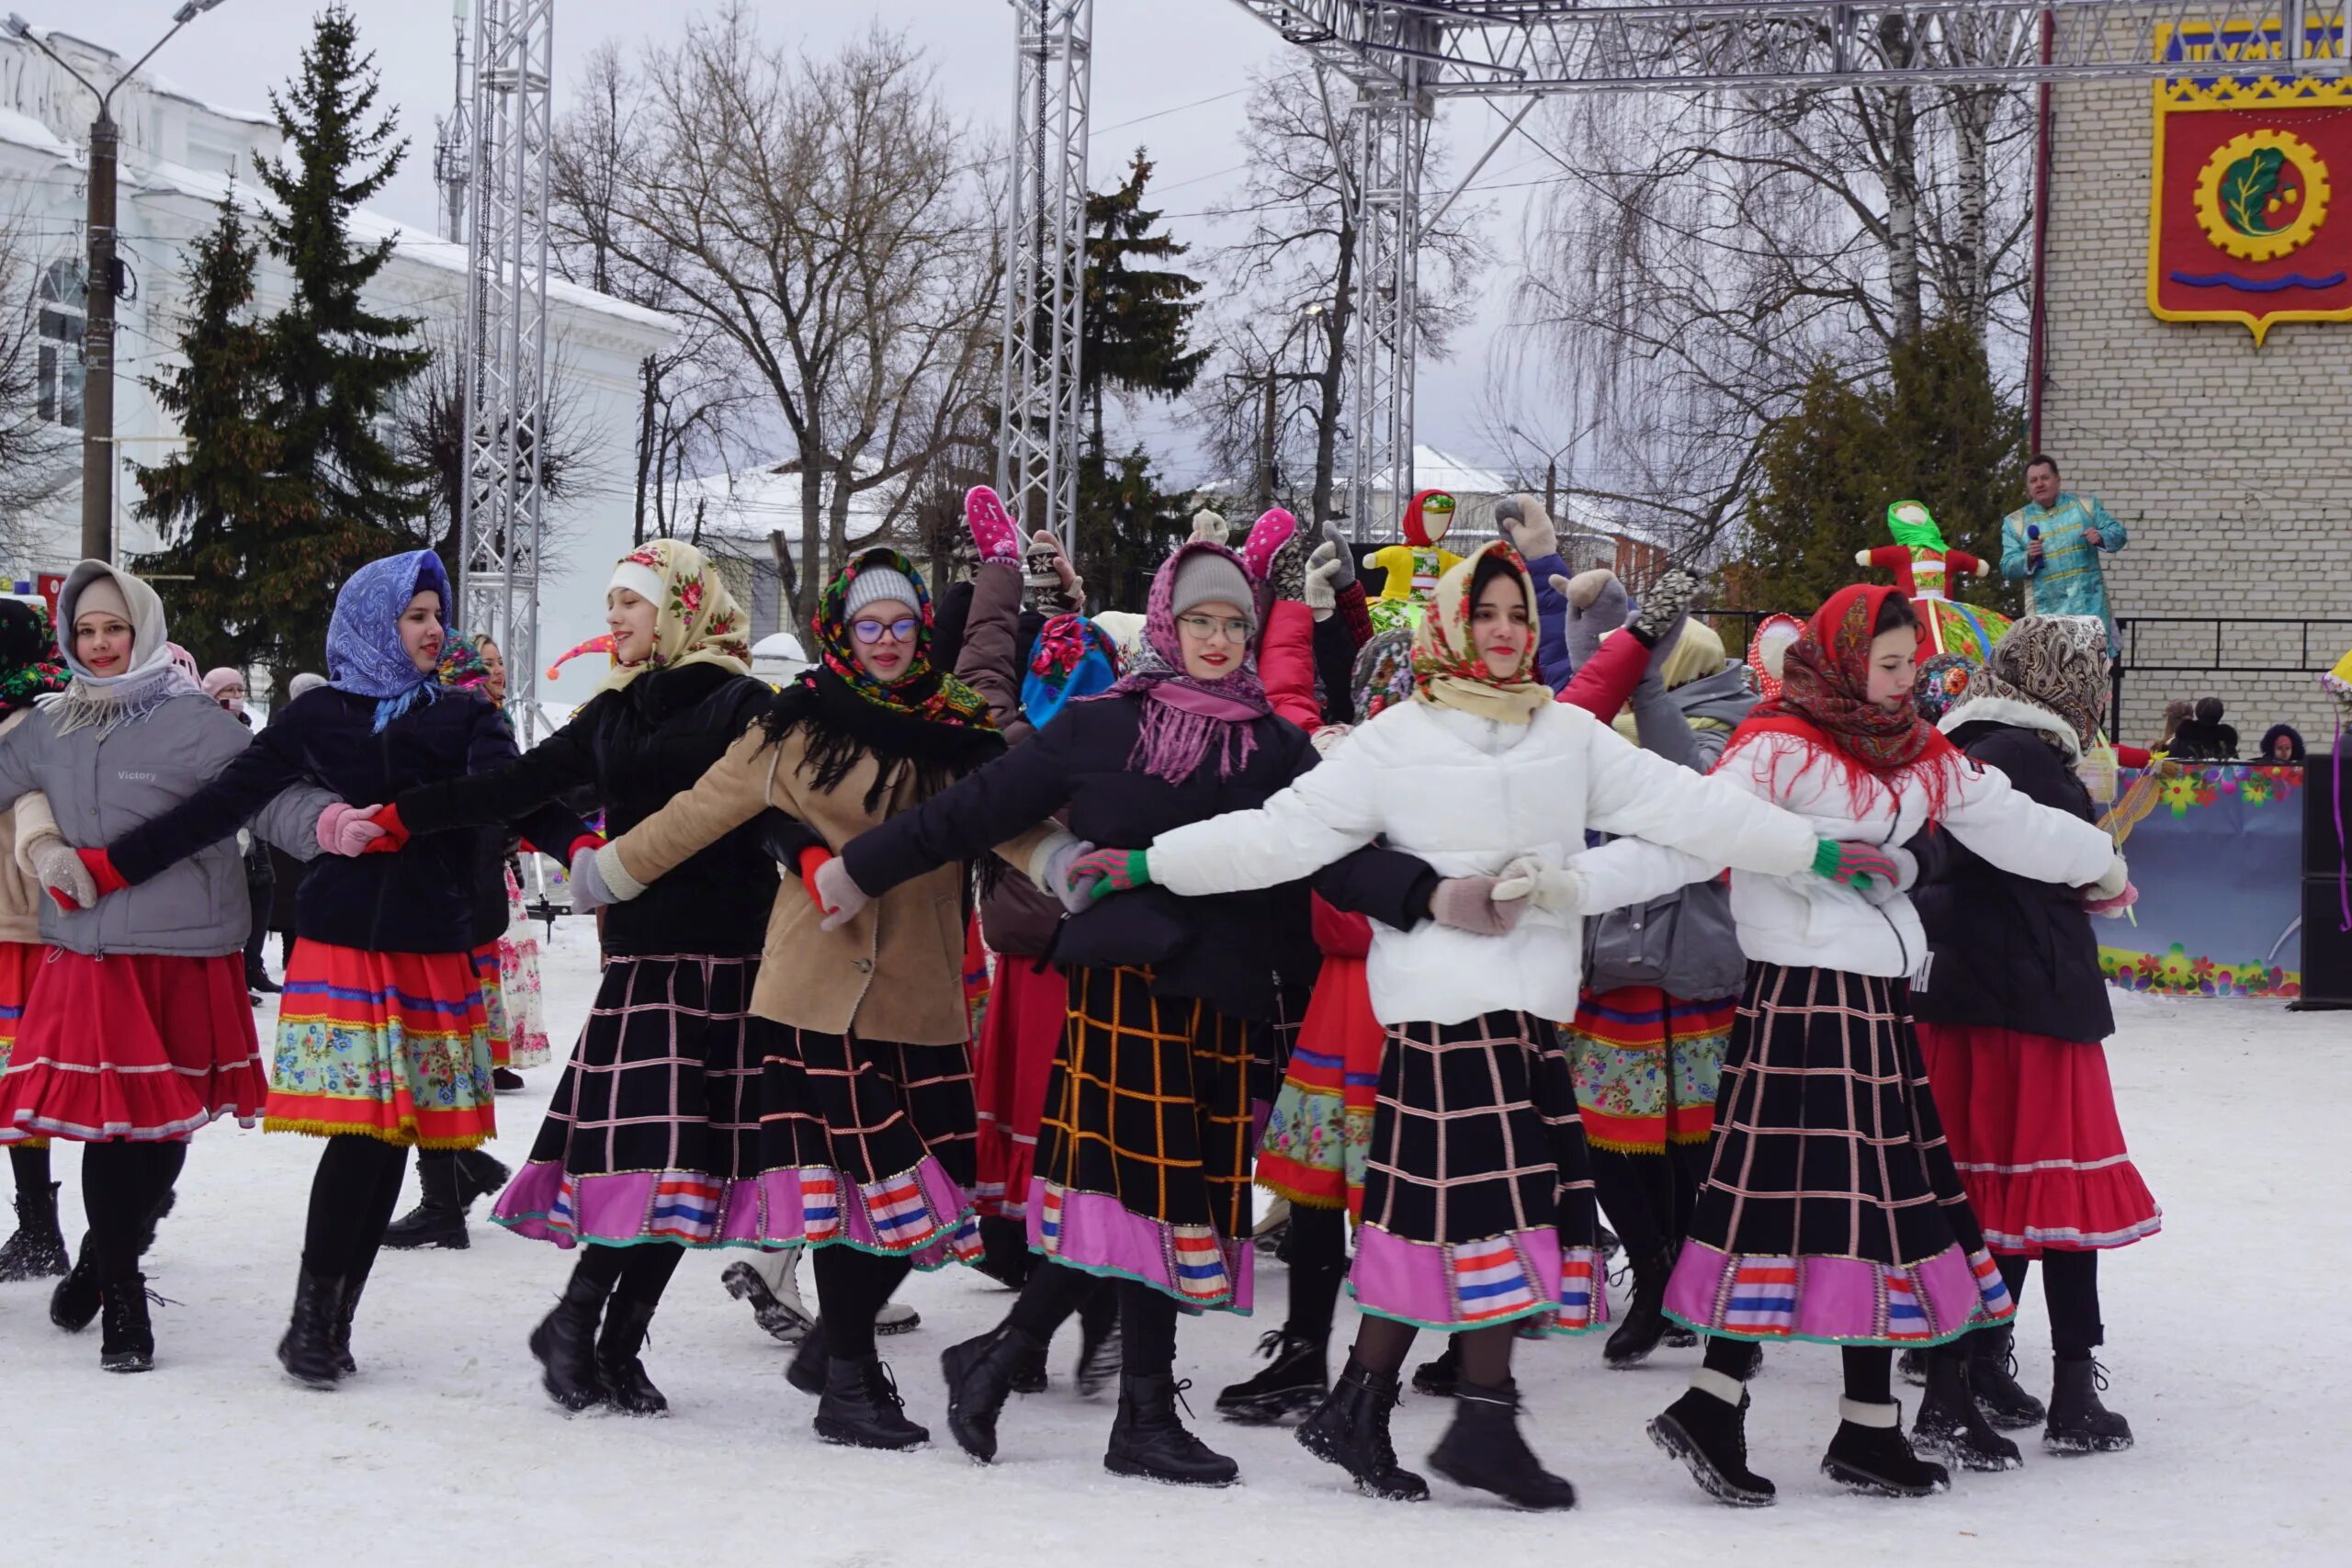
(58, 867)
(2112, 881)
(1555, 887)
(841, 895)
(1322, 580)
(1528, 527)
(1210, 526)
(599, 878)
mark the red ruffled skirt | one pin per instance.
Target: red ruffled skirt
(1013, 1063)
(2032, 1128)
(133, 1046)
(20, 961)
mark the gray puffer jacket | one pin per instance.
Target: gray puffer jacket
(100, 787)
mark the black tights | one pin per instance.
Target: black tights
(637, 1274)
(2070, 1290)
(1383, 1343)
(1650, 1198)
(1869, 1369)
(1318, 1252)
(122, 1185)
(30, 1167)
(1146, 1317)
(353, 1195)
(852, 1286)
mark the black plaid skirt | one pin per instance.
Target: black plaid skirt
(1478, 1201)
(1832, 1209)
(653, 1133)
(865, 1142)
(1143, 1159)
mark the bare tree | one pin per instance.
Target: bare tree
(1294, 282)
(40, 457)
(823, 221)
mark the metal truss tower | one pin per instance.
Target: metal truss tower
(1045, 265)
(505, 342)
(453, 138)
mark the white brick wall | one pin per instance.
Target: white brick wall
(2231, 465)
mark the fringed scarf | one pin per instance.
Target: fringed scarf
(1185, 720)
(29, 663)
(1448, 668)
(105, 702)
(365, 654)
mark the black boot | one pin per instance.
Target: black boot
(75, 1301)
(1004, 1252)
(806, 1371)
(980, 1373)
(1438, 1378)
(1148, 1441)
(565, 1343)
(346, 1309)
(1870, 1455)
(1098, 1345)
(1711, 1436)
(128, 1342)
(307, 1348)
(1483, 1449)
(783, 1320)
(38, 1249)
(1349, 1428)
(860, 1408)
(1645, 1323)
(2079, 1423)
(1993, 1375)
(479, 1176)
(439, 1217)
(1952, 1427)
(258, 979)
(505, 1080)
(618, 1364)
(1911, 1366)
(1294, 1382)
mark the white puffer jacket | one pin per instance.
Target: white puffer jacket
(1811, 920)
(1468, 795)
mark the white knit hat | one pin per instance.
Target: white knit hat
(878, 583)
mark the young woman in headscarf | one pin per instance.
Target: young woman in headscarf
(137, 1030)
(383, 1043)
(858, 1015)
(651, 1144)
(2012, 1011)
(1143, 1159)
(29, 670)
(1477, 1207)
(1831, 1211)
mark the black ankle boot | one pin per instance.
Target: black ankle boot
(1911, 1366)
(346, 1309)
(307, 1348)
(565, 1343)
(1644, 1327)
(479, 1176)
(75, 1301)
(1870, 1455)
(980, 1373)
(619, 1366)
(2079, 1423)
(1710, 1435)
(1993, 1377)
(1438, 1378)
(806, 1371)
(1951, 1426)
(1098, 1347)
(1349, 1428)
(1293, 1382)
(1483, 1449)
(439, 1217)
(1148, 1441)
(128, 1339)
(860, 1408)
(36, 1251)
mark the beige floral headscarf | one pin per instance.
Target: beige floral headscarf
(696, 621)
(1447, 668)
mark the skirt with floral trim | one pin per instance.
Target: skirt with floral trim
(518, 986)
(390, 1045)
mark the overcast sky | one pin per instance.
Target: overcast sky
(1155, 60)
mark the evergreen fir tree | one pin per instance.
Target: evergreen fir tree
(220, 501)
(1126, 526)
(1136, 334)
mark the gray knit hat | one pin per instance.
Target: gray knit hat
(876, 583)
(1209, 576)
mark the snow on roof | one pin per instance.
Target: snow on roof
(155, 81)
(24, 130)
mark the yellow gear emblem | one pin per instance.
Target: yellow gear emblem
(2262, 195)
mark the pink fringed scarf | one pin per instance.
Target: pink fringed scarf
(1186, 720)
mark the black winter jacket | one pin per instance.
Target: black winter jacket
(421, 899)
(635, 747)
(1226, 950)
(2008, 952)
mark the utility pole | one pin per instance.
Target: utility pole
(102, 286)
(649, 368)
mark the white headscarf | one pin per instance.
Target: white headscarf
(106, 701)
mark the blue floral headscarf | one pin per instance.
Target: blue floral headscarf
(364, 656)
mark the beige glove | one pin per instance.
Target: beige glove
(1528, 527)
(57, 867)
(1210, 525)
(1321, 593)
(1555, 887)
(2112, 881)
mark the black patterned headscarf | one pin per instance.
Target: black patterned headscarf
(29, 662)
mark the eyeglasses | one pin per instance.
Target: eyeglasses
(1208, 627)
(873, 631)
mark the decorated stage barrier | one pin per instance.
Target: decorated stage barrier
(2218, 861)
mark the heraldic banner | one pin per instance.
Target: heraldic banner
(2250, 211)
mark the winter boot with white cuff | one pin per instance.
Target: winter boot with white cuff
(1707, 1430)
(1870, 1455)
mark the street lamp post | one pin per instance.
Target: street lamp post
(103, 285)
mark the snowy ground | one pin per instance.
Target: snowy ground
(445, 1450)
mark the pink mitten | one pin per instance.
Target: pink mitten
(1269, 533)
(348, 830)
(2109, 908)
(992, 528)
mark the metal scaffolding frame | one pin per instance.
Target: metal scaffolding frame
(505, 338)
(1045, 265)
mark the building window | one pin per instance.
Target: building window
(61, 320)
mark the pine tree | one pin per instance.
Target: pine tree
(1138, 317)
(1126, 526)
(337, 365)
(221, 502)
